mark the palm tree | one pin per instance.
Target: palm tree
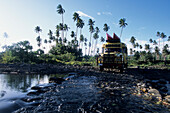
(66, 28)
(131, 51)
(102, 39)
(150, 40)
(95, 36)
(163, 36)
(61, 11)
(106, 27)
(122, 25)
(65, 40)
(39, 41)
(72, 35)
(137, 45)
(85, 43)
(132, 40)
(80, 25)
(61, 28)
(154, 42)
(57, 35)
(81, 41)
(147, 47)
(158, 35)
(165, 51)
(38, 30)
(5, 36)
(76, 18)
(169, 39)
(140, 46)
(45, 41)
(91, 29)
(50, 35)
(157, 51)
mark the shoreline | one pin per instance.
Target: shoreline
(133, 85)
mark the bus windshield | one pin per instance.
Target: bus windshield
(112, 50)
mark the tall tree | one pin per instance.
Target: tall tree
(131, 51)
(61, 11)
(95, 36)
(137, 45)
(158, 35)
(38, 30)
(150, 40)
(81, 41)
(169, 39)
(122, 24)
(85, 43)
(91, 30)
(147, 47)
(66, 28)
(57, 35)
(140, 47)
(50, 34)
(132, 40)
(76, 18)
(5, 36)
(154, 42)
(106, 27)
(102, 39)
(157, 52)
(163, 36)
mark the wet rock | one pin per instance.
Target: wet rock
(162, 81)
(166, 101)
(155, 95)
(32, 99)
(2, 93)
(56, 80)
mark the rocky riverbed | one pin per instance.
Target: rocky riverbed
(89, 90)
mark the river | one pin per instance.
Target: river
(15, 87)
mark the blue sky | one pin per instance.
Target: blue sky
(18, 18)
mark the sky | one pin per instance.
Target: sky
(18, 18)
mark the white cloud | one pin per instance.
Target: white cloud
(83, 14)
(98, 13)
(115, 24)
(141, 28)
(106, 13)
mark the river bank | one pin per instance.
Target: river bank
(89, 90)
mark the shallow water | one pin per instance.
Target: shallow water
(14, 87)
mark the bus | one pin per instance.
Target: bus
(114, 54)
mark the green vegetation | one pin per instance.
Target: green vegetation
(58, 49)
(152, 56)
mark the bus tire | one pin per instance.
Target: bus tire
(101, 68)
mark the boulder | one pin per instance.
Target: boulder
(56, 80)
(162, 81)
(156, 96)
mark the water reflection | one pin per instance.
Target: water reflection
(20, 83)
(14, 87)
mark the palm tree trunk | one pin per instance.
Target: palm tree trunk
(95, 47)
(90, 44)
(121, 32)
(79, 39)
(62, 30)
(92, 47)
